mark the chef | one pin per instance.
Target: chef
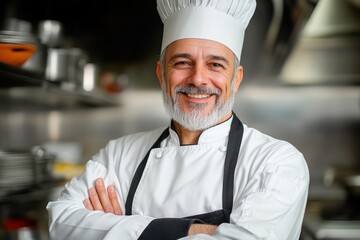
(206, 175)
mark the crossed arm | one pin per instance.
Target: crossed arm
(104, 199)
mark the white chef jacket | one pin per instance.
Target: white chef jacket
(270, 187)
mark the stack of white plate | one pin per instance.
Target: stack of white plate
(17, 171)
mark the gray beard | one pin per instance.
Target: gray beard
(196, 119)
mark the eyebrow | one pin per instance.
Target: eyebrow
(179, 55)
(187, 55)
(220, 58)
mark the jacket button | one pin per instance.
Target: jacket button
(139, 212)
(212, 208)
(223, 149)
(158, 155)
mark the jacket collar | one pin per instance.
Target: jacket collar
(210, 135)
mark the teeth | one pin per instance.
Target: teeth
(194, 95)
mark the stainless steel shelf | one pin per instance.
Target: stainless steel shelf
(17, 77)
(33, 88)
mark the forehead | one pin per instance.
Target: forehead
(199, 48)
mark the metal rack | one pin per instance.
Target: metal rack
(36, 85)
(17, 77)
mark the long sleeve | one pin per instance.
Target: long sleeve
(70, 220)
(272, 205)
(116, 164)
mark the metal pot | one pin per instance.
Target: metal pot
(65, 65)
(50, 33)
(90, 77)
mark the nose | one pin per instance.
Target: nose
(198, 75)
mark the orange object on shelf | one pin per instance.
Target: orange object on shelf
(15, 54)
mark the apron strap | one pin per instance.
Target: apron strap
(232, 153)
(139, 171)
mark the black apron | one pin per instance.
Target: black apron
(217, 217)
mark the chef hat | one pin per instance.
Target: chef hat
(223, 21)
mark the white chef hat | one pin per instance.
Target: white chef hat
(223, 21)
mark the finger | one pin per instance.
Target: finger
(95, 201)
(88, 205)
(114, 200)
(103, 195)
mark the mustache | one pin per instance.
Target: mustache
(195, 89)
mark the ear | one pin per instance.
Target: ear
(239, 78)
(159, 72)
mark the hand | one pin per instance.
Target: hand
(103, 199)
(202, 228)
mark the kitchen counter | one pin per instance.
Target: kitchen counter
(318, 229)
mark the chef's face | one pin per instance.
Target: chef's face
(199, 80)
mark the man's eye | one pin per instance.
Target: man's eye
(216, 65)
(182, 64)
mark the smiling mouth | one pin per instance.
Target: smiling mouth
(198, 95)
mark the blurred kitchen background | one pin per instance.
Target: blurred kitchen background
(75, 74)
